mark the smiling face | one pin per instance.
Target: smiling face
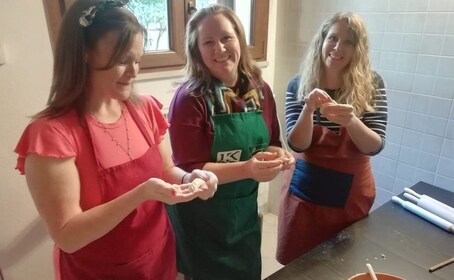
(220, 48)
(114, 82)
(338, 48)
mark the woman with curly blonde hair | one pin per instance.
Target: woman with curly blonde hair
(336, 116)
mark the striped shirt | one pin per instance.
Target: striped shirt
(376, 120)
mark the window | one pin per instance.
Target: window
(165, 21)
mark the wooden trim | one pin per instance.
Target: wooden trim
(174, 58)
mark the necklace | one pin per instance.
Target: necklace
(127, 150)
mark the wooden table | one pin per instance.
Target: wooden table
(392, 239)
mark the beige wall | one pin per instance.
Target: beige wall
(25, 248)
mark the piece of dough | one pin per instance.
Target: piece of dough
(327, 104)
(196, 184)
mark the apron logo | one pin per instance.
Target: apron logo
(229, 156)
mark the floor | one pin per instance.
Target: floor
(269, 235)
(269, 239)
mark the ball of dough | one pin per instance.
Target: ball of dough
(196, 184)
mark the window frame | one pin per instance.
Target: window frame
(174, 58)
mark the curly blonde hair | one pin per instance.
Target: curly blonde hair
(358, 79)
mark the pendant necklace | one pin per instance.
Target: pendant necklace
(127, 150)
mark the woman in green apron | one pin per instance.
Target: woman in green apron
(223, 119)
(336, 115)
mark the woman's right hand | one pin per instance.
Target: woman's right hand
(316, 98)
(264, 166)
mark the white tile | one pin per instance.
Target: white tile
(391, 151)
(435, 23)
(407, 62)
(423, 84)
(416, 121)
(447, 150)
(439, 107)
(405, 172)
(398, 6)
(414, 22)
(419, 103)
(431, 144)
(446, 167)
(331, 6)
(383, 181)
(398, 99)
(444, 182)
(439, 5)
(400, 184)
(444, 87)
(431, 44)
(404, 81)
(423, 175)
(446, 67)
(345, 5)
(427, 64)
(396, 116)
(412, 139)
(450, 130)
(450, 24)
(394, 134)
(375, 22)
(371, 6)
(408, 155)
(388, 167)
(436, 126)
(381, 198)
(411, 43)
(428, 162)
(375, 39)
(395, 22)
(448, 45)
(417, 5)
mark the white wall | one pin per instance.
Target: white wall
(25, 248)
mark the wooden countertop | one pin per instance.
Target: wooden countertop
(392, 239)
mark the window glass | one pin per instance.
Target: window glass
(243, 8)
(153, 15)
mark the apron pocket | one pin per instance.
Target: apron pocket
(320, 185)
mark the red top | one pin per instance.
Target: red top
(64, 137)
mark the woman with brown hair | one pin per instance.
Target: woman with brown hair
(228, 113)
(94, 159)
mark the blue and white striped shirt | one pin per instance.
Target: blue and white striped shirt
(376, 120)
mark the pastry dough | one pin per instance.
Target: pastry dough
(196, 184)
(326, 104)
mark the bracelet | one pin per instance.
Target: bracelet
(184, 176)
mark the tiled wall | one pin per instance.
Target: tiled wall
(412, 47)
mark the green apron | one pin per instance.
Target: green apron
(220, 238)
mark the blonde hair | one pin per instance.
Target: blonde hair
(198, 75)
(358, 79)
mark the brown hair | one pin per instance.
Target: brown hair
(197, 74)
(70, 73)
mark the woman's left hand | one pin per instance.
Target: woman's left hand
(341, 114)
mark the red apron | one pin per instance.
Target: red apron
(330, 187)
(142, 246)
